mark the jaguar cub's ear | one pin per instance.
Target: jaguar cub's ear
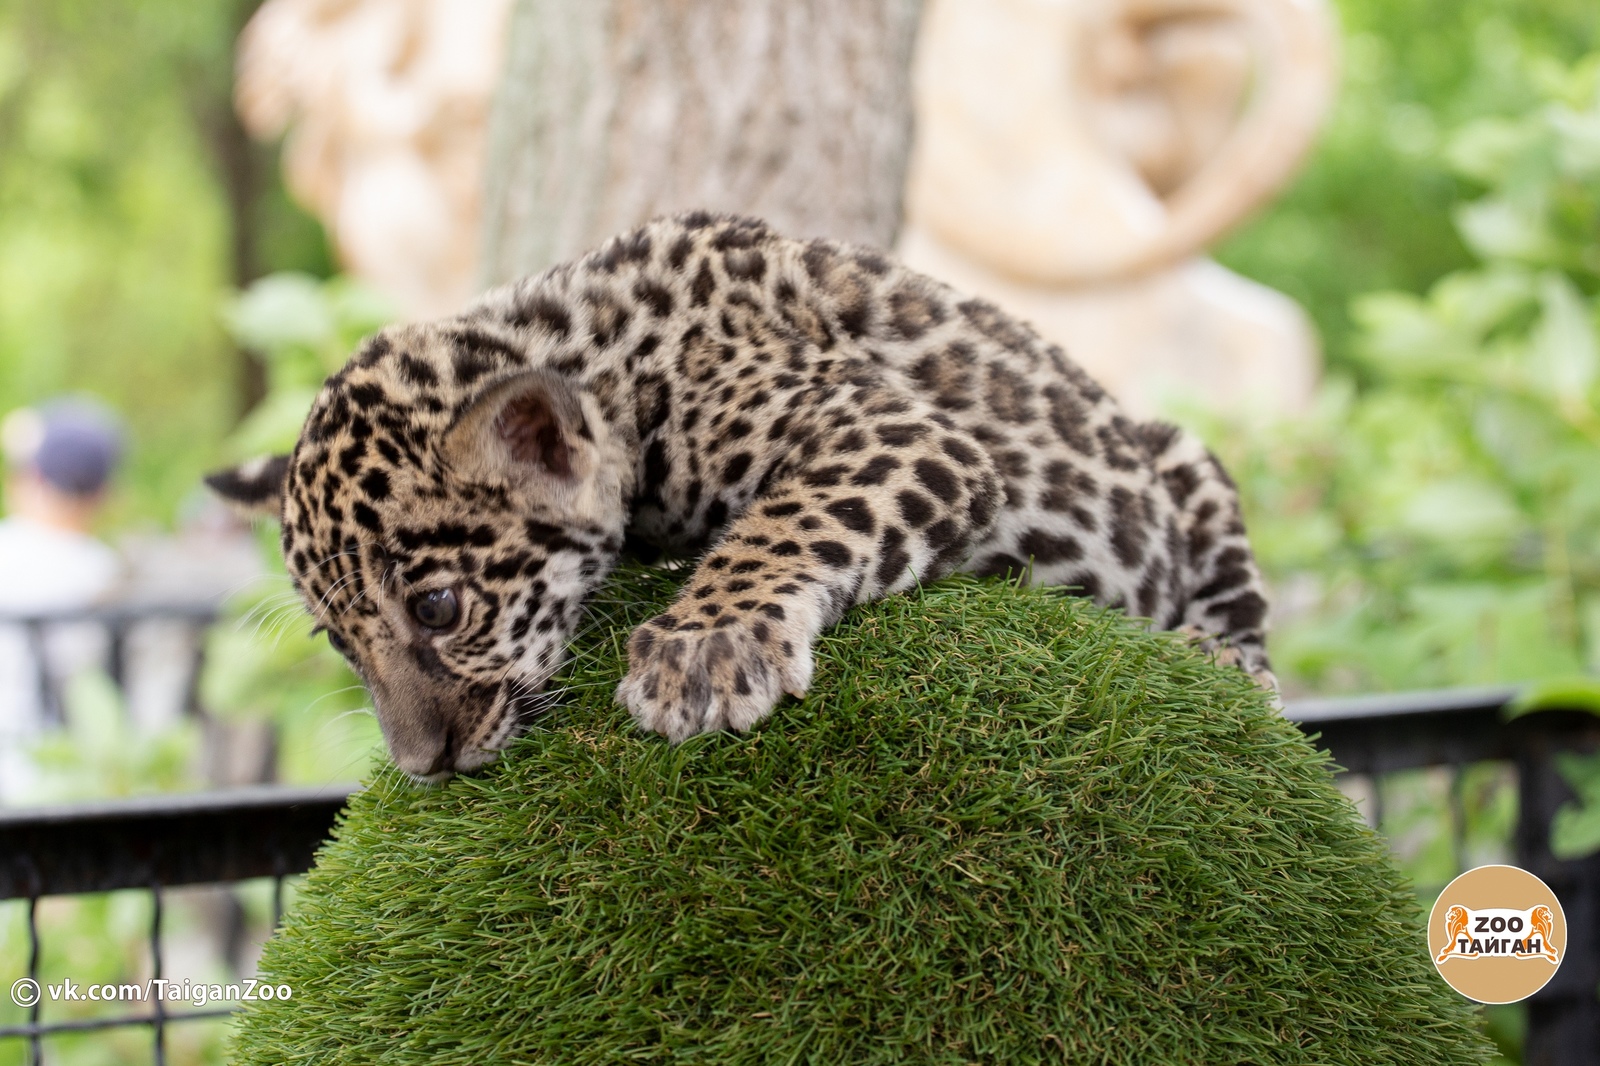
(255, 488)
(528, 427)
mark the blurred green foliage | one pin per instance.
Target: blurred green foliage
(261, 664)
(129, 205)
(1371, 210)
(103, 753)
(303, 329)
(1436, 520)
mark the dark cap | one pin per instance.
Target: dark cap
(79, 446)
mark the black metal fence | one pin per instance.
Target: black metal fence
(117, 621)
(1453, 728)
(272, 832)
(154, 844)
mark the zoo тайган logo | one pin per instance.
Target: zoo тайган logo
(1497, 934)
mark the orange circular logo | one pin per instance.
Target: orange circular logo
(1497, 934)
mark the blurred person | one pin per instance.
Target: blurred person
(60, 459)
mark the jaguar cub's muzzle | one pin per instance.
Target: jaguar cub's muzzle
(434, 730)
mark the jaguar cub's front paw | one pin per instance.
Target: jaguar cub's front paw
(689, 679)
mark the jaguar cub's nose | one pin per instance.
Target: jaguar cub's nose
(429, 757)
(442, 769)
(419, 738)
(435, 753)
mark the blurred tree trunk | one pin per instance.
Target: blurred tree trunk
(614, 111)
(245, 171)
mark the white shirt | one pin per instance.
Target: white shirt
(43, 569)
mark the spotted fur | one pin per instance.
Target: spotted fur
(822, 426)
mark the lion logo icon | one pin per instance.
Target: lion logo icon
(1544, 923)
(1455, 920)
(1497, 934)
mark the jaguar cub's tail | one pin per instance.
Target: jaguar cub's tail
(1226, 606)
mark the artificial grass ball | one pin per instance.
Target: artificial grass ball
(1005, 826)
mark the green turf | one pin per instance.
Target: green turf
(1004, 827)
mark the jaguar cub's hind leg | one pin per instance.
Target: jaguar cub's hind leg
(877, 507)
(1226, 609)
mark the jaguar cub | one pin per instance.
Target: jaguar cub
(823, 425)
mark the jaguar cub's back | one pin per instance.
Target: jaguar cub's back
(826, 425)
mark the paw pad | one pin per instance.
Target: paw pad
(684, 679)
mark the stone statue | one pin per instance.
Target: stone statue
(385, 104)
(1074, 158)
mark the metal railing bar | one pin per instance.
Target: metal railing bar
(1458, 819)
(49, 700)
(194, 838)
(36, 1030)
(116, 614)
(1313, 711)
(1403, 731)
(35, 1051)
(118, 620)
(158, 1011)
(177, 804)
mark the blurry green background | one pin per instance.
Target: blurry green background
(131, 205)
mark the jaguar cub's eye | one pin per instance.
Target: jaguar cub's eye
(438, 609)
